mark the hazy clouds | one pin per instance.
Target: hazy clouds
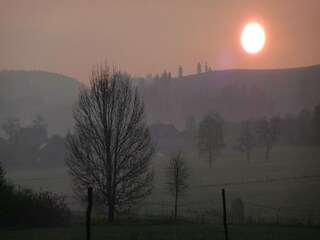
(149, 36)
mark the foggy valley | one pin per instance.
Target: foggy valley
(39, 105)
(118, 131)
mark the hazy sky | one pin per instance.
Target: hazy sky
(148, 36)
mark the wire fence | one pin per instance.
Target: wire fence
(210, 209)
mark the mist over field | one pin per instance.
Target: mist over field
(283, 189)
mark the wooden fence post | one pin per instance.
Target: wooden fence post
(88, 213)
(224, 214)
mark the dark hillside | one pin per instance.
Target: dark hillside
(25, 94)
(235, 94)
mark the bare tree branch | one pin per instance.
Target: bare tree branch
(210, 137)
(246, 141)
(111, 149)
(178, 174)
(268, 132)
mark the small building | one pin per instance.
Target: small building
(30, 137)
(53, 152)
(24, 146)
(167, 138)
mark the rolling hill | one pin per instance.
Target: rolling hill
(236, 94)
(25, 94)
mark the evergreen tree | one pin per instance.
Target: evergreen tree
(199, 68)
(206, 68)
(180, 71)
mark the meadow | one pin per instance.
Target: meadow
(281, 198)
(162, 230)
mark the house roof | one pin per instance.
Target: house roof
(163, 130)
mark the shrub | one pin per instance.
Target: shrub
(24, 207)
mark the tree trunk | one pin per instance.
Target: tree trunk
(111, 214)
(210, 160)
(267, 154)
(88, 213)
(248, 157)
(176, 206)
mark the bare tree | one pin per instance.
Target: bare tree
(268, 132)
(210, 137)
(111, 149)
(246, 140)
(178, 174)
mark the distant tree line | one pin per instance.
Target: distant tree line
(261, 132)
(164, 95)
(303, 128)
(207, 68)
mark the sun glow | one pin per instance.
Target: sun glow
(253, 38)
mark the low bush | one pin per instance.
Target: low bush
(24, 207)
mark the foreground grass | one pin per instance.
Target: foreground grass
(161, 229)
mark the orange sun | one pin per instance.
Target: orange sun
(253, 38)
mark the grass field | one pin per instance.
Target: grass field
(280, 189)
(161, 229)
